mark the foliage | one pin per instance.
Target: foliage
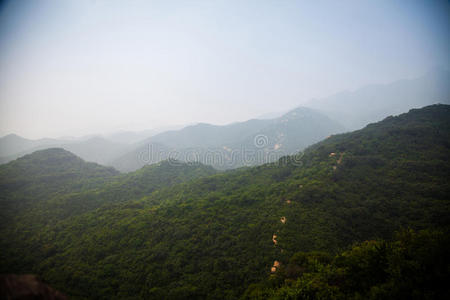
(180, 231)
(412, 266)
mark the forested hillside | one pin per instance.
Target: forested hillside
(414, 265)
(47, 173)
(43, 188)
(187, 232)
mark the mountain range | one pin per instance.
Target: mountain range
(224, 147)
(240, 144)
(252, 142)
(373, 103)
(177, 230)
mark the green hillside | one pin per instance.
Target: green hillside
(414, 265)
(45, 174)
(211, 237)
(48, 186)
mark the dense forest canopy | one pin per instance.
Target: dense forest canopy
(315, 225)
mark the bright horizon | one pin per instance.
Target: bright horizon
(87, 67)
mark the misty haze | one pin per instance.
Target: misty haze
(224, 149)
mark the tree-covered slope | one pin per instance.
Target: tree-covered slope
(414, 265)
(213, 236)
(48, 186)
(47, 171)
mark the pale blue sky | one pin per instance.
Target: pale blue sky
(78, 67)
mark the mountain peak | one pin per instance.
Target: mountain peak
(51, 157)
(56, 163)
(12, 136)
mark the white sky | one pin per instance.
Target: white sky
(79, 67)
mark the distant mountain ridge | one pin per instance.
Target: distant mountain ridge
(101, 149)
(252, 142)
(12, 144)
(208, 135)
(223, 146)
(239, 144)
(93, 149)
(373, 103)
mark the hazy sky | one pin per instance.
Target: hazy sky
(78, 67)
